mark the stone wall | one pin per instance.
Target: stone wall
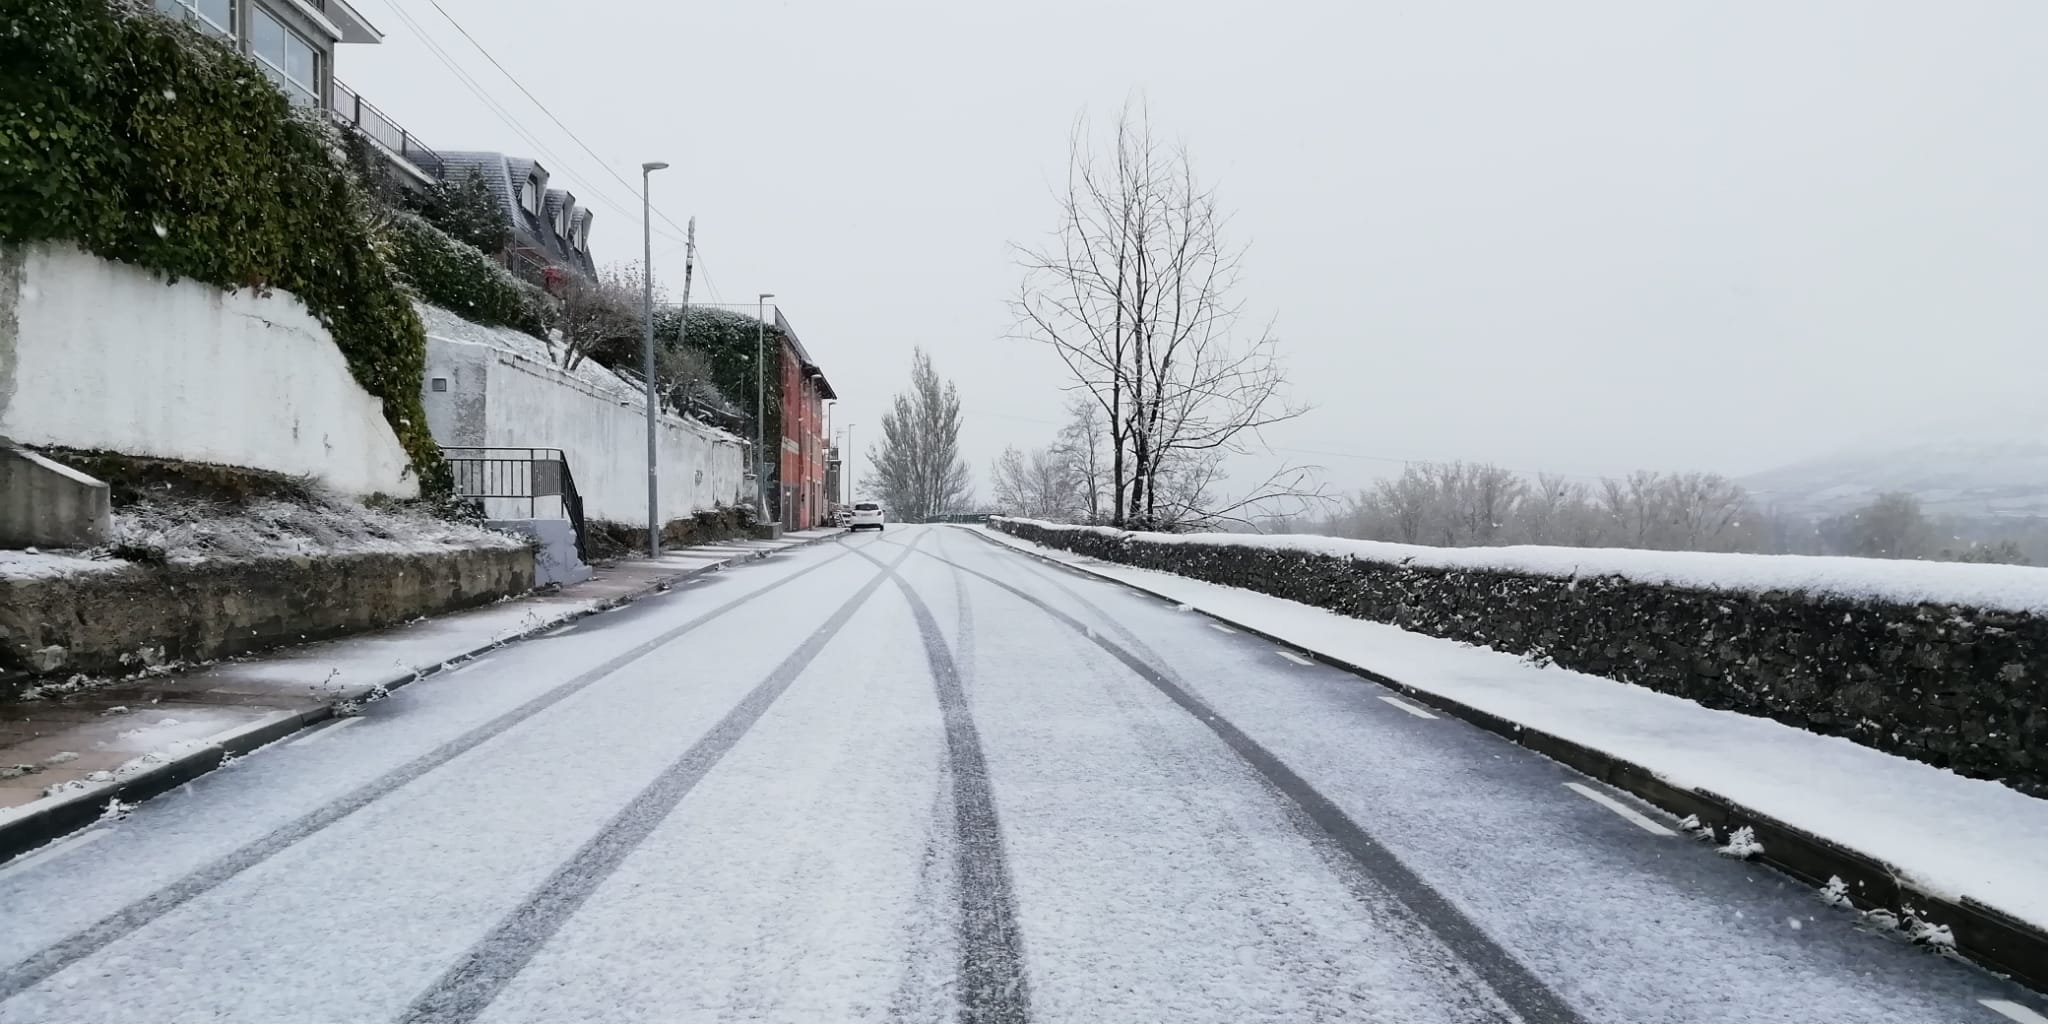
(103, 622)
(1953, 685)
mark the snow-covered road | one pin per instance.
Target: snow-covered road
(914, 776)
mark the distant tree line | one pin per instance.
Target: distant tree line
(1461, 504)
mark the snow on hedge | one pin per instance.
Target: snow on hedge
(2016, 588)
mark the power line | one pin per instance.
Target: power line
(476, 89)
(521, 86)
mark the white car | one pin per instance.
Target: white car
(866, 514)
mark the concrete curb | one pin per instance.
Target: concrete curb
(43, 821)
(1998, 942)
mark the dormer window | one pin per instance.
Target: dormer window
(529, 195)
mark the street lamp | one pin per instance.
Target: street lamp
(647, 310)
(761, 399)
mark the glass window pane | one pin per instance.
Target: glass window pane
(220, 12)
(299, 61)
(266, 36)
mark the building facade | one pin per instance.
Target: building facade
(804, 502)
(293, 42)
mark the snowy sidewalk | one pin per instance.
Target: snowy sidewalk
(62, 760)
(1943, 835)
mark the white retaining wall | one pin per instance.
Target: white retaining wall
(496, 398)
(102, 355)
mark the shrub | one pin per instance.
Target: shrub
(140, 140)
(461, 279)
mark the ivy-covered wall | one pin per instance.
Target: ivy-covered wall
(1959, 687)
(460, 278)
(729, 339)
(141, 141)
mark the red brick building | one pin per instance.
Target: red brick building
(800, 477)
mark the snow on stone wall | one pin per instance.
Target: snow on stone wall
(102, 355)
(2013, 588)
(1960, 681)
(498, 395)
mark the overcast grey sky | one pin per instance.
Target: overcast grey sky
(1585, 237)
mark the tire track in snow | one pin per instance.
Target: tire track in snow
(991, 948)
(1524, 993)
(33, 971)
(466, 989)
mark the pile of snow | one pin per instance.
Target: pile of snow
(192, 532)
(2015, 588)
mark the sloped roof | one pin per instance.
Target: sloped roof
(503, 174)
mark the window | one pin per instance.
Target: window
(216, 16)
(291, 61)
(529, 195)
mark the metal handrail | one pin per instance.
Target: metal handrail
(520, 473)
(349, 106)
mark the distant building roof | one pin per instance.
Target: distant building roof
(561, 241)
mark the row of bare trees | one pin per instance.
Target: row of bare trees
(1136, 294)
(1461, 504)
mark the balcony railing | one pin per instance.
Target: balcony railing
(349, 107)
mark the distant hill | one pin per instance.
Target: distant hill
(1950, 477)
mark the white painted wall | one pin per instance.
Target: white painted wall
(500, 399)
(103, 355)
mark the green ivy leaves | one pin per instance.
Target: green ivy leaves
(140, 140)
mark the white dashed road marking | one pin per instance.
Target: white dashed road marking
(2014, 1011)
(1405, 706)
(1622, 809)
(1295, 658)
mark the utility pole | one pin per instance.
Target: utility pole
(647, 350)
(689, 264)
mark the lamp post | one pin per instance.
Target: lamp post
(846, 464)
(647, 350)
(761, 399)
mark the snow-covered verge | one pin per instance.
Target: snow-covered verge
(1948, 836)
(191, 532)
(185, 532)
(2016, 588)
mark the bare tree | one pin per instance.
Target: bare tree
(1082, 443)
(1041, 485)
(602, 316)
(1892, 526)
(1135, 293)
(918, 471)
(1705, 512)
